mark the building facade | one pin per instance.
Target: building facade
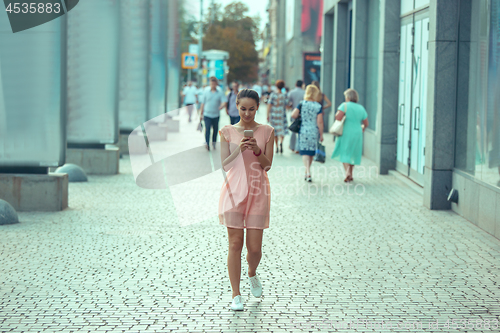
(293, 30)
(427, 73)
(273, 65)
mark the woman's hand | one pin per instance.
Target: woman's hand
(243, 144)
(321, 137)
(251, 144)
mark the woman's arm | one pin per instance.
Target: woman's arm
(226, 156)
(339, 115)
(295, 113)
(266, 159)
(365, 123)
(319, 120)
(327, 103)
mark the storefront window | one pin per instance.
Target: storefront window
(478, 115)
(372, 63)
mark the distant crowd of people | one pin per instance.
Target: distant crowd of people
(307, 102)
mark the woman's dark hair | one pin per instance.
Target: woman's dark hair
(280, 84)
(247, 93)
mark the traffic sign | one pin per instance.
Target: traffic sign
(189, 61)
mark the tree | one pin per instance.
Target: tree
(187, 26)
(235, 32)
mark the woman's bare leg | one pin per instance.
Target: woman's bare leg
(305, 159)
(235, 237)
(254, 249)
(346, 168)
(351, 170)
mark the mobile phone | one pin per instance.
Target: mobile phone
(248, 133)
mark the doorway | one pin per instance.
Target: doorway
(412, 99)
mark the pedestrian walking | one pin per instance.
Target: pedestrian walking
(295, 96)
(245, 197)
(257, 87)
(231, 108)
(199, 95)
(213, 102)
(322, 99)
(349, 146)
(265, 93)
(276, 114)
(311, 127)
(189, 93)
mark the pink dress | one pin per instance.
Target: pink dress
(245, 196)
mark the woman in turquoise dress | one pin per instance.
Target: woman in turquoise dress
(349, 146)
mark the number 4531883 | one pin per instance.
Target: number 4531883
(40, 8)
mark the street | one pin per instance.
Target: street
(119, 260)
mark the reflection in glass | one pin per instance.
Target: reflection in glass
(478, 116)
(30, 98)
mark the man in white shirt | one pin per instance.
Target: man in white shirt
(257, 88)
(189, 93)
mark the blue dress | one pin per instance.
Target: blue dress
(349, 146)
(309, 132)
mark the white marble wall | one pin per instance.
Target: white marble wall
(477, 202)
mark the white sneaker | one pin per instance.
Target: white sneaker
(255, 286)
(237, 304)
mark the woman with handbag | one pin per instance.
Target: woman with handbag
(311, 127)
(349, 145)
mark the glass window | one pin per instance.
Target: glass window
(372, 62)
(406, 6)
(421, 3)
(478, 115)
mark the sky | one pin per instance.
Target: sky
(255, 6)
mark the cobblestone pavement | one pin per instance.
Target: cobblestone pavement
(118, 260)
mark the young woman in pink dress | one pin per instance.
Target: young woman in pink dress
(245, 196)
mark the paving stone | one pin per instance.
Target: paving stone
(118, 260)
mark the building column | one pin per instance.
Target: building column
(388, 85)
(339, 59)
(359, 47)
(281, 21)
(441, 103)
(326, 66)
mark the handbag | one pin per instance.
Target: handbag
(295, 126)
(338, 125)
(320, 153)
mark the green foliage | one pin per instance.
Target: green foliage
(235, 32)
